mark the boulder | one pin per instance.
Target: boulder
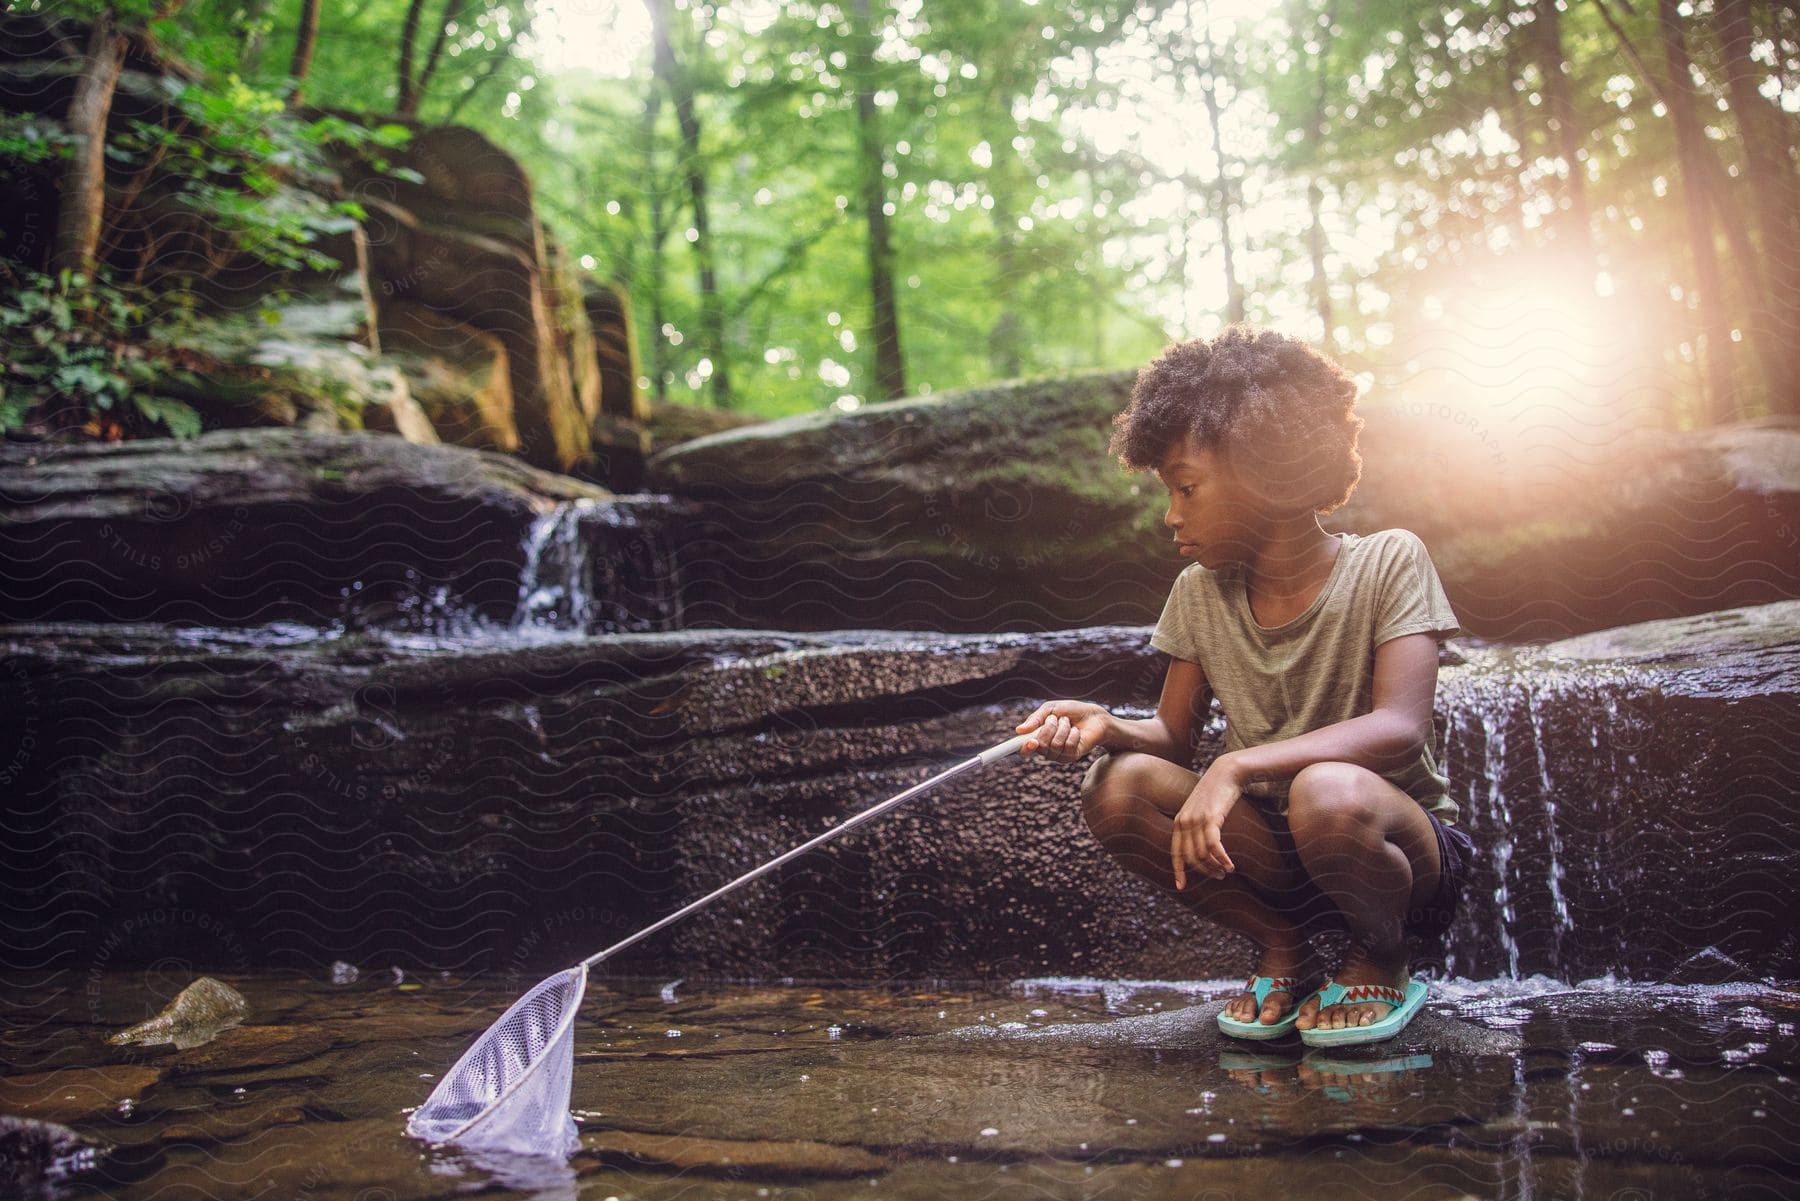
(992, 509)
(608, 307)
(457, 373)
(41, 1160)
(197, 1015)
(267, 525)
(459, 237)
(465, 244)
(671, 423)
(998, 508)
(1651, 524)
(519, 804)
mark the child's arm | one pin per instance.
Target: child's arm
(1070, 729)
(1386, 738)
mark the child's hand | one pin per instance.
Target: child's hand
(1196, 840)
(1065, 730)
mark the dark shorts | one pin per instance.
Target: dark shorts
(1456, 851)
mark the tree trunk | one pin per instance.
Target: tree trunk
(1315, 192)
(83, 201)
(1234, 291)
(452, 11)
(659, 341)
(406, 99)
(890, 367)
(1315, 247)
(1003, 335)
(304, 43)
(712, 323)
(1565, 133)
(1206, 76)
(1715, 360)
(1743, 255)
(1774, 194)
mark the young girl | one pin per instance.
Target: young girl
(1326, 806)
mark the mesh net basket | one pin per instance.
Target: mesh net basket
(510, 1091)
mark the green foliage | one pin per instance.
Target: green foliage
(1022, 243)
(240, 161)
(74, 349)
(27, 139)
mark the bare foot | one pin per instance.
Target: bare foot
(1282, 963)
(1361, 966)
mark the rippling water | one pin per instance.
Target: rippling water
(1051, 1087)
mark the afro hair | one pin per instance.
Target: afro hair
(1276, 409)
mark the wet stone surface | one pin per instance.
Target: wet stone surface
(1028, 1088)
(288, 798)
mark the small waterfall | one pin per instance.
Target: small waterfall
(1500, 810)
(1553, 829)
(600, 566)
(1499, 730)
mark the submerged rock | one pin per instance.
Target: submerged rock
(249, 1048)
(198, 1014)
(739, 1159)
(38, 1158)
(524, 804)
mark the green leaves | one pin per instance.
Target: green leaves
(179, 418)
(76, 345)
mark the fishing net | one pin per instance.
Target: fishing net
(510, 1091)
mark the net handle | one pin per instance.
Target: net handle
(986, 758)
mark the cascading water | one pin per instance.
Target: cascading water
(1498, 733)
(1575, 803)
(600, 566)
(1552, 827)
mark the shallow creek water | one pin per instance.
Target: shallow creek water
(1030, 1088)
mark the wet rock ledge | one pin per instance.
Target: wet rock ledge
(246, 526)
(230, 799)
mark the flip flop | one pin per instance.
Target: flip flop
(1405, 1005)
(1260, 987)
(1256, 1061)
(1348, 1067)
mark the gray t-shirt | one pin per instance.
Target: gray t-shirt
(1318, 669)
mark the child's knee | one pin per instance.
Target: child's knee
(1331, 795)
(1113, 786)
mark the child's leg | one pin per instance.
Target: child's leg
(1371, 849)
(1129, 801)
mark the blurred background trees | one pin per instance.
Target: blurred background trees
(833, 203)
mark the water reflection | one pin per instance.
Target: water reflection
(1498, 1089)
(1336, 1077)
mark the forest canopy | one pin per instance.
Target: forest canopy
(817, 204)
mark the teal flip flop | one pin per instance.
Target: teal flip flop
(1257, 1061)
(1405, 1005)
(1345, 1093)
(1261, 987)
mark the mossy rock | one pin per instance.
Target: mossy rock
(991, 508)
(999, 508)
